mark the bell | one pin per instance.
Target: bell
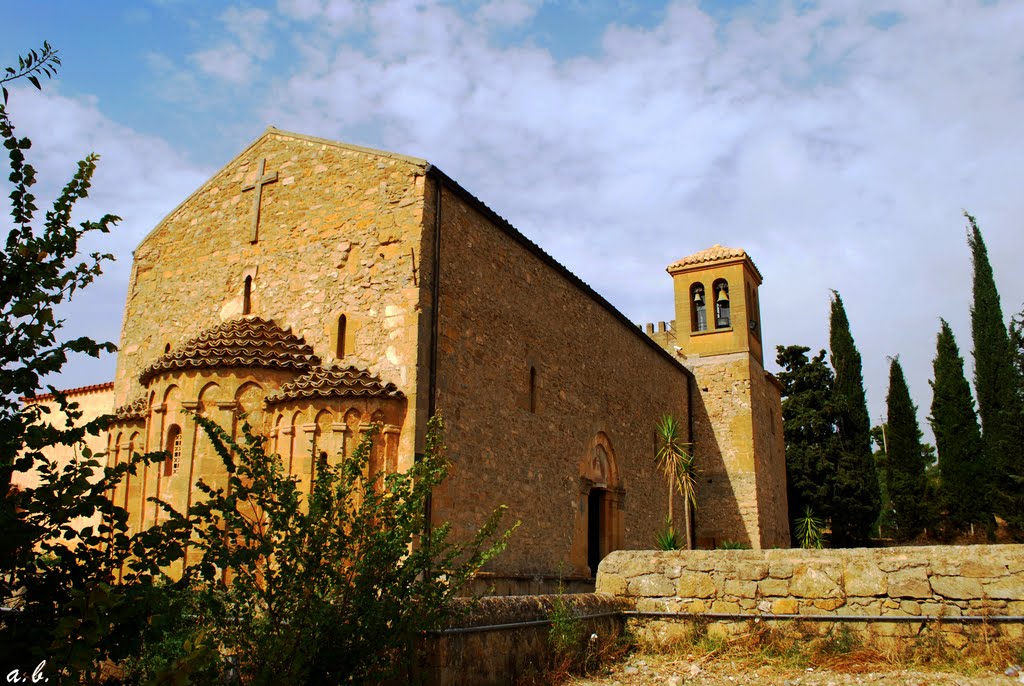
(698, 296)
(723, 295)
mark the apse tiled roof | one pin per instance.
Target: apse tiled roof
(133, 411)
(335, 382)
(246, 342)
(715, 253)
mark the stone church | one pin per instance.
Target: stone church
(321, 287)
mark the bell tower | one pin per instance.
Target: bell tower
(717, 303)
(736, 405)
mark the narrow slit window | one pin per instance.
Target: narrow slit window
(247, 296)
(533, 389)
(342, 324)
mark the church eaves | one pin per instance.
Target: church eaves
(334, 382)
(246, 342)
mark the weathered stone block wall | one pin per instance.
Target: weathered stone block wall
(727, 505)
(340, 232)
(599, 388)
(769, 459)
(484, 649)
(934, 581)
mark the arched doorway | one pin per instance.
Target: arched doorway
(599, 528)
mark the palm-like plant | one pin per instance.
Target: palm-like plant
(675, 459)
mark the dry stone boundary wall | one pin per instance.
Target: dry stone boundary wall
(947, 582)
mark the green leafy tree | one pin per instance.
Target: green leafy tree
(1017, 352)
(675, 459)
(809, 427)
(856, 500)
(56, 575)
(997, 386)
(905, 464)
(331, 587)
(963, 482)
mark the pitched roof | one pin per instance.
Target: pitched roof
(246, 342)
(716, 253)
(69, 392)
(335, 382)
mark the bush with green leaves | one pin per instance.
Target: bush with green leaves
(332, 586)
(57, 575)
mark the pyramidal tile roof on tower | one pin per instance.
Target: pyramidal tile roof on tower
(716, 253)
(335, 382)
(246, 342)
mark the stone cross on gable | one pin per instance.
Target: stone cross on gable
(262, 179)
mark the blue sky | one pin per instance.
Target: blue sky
(837, 141)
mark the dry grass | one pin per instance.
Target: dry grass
(801, 646)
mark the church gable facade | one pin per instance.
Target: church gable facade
(322, 288)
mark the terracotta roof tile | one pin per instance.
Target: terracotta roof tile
(716, 253)
(68, 392)
(246, 342)
(134, 411)
(335, 382)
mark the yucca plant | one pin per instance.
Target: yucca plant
(667, 538)
(810, 530)
(675, 459)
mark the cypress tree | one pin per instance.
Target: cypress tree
(809, 427)
(856, 499)
(957, 436)
(995, 382)
(905, 459)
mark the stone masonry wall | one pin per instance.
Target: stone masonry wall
(770, 459)
(727, 505)
(599, 389)
(506, 640)
(946, 581)
(340, 232)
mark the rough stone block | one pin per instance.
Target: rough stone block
(956, 587)
(910, 582)
(864, 578)
(828, 604)
(808, 582)
(785, 606)
(754, 571)
(910, 607)
(982, 569)
(773, 587)
(695, 585)
(724, 606)
(611, 583)
(1009, 588)
(650, 585)
(740, 589)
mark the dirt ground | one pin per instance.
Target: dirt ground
(660, 670)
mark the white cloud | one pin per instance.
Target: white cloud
(235, 60)
(840, 154)
(506, 13)
(139, 178)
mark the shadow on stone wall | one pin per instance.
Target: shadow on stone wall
(717, 517)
